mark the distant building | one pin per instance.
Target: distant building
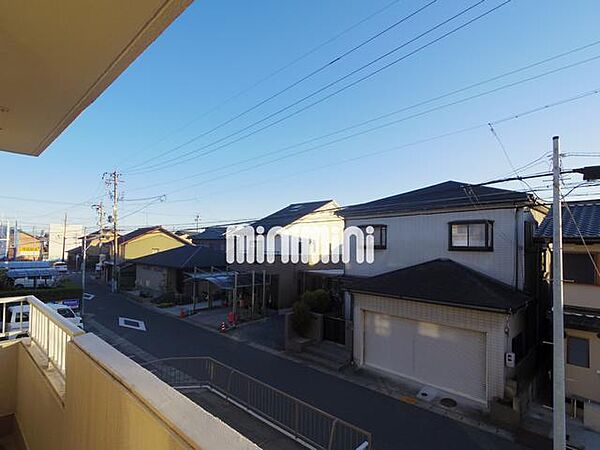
(61, 239)
(165, 272)
(288, 279)
(25, 246)
(211, 237)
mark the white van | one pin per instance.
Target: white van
(17, 325)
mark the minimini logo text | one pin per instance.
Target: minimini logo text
(306, 244)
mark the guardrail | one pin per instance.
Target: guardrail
(305, 423)
(46, 328)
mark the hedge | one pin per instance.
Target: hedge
(66, 292)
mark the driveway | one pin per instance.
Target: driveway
(393, 424)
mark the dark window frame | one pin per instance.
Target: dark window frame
(489, 236)
(573, 272)
(382, 237)
(569, 360)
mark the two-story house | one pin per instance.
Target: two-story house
(296, 221)
(581, 260)
(445, 302)
(136, 244)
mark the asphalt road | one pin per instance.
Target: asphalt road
(393, 424)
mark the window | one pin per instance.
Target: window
(17, 317)
(578, 268)
(578, 351)
(472, 235)
(379, 235)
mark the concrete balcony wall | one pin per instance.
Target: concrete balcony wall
(104, 401)
(8, 377)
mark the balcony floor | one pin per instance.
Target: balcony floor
(11, 441)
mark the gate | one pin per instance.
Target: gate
(334, 330)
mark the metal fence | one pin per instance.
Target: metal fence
(301, 421)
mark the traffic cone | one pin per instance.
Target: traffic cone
(182, 313)
(223, 328)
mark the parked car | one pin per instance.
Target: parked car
(17, 323)
(61, 267)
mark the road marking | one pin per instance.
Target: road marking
(132, 323)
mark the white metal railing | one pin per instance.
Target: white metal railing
(46, 328)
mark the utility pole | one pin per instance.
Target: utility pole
(64, 240)
(112, 181)
(83, 254)
(558, 369)
(197, 223)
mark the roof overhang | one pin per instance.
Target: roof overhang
(440, 302)
(57, 58)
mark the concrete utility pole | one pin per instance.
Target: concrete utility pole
(112, 181)
(197, 223)
(64, 237)
(558, 369)
(83, 255)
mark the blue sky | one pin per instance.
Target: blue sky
(219, 48)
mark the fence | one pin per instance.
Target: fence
(299, 420)
(46, 328)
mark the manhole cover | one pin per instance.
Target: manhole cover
(448, 402)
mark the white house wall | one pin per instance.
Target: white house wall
(416, 239)
(490, 323)
(323, 221)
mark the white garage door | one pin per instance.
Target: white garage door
(449, 358)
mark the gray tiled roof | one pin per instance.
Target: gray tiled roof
(185, 257)
(289, 214)
(444, 281)
(585, 218)
(450, 194)
(210, 233)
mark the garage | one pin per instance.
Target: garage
(449, 358)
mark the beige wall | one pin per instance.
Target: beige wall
(8, 377)
(109, 402)
(581, 381)
(582, 295)
(144, 245)
(39, 409)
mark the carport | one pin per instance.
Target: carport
(246, 291)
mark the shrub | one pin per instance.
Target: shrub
(301, 317)
(317, 300)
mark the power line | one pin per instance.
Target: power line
(422, 141)
(176, 161)
(428, 111)
(271, 75)
(294, 84)
(421, 103)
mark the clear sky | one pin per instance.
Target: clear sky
(178, 90)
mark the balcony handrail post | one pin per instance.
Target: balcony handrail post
(332, 433)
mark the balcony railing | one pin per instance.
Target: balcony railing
(46, 328)
(297, 419)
